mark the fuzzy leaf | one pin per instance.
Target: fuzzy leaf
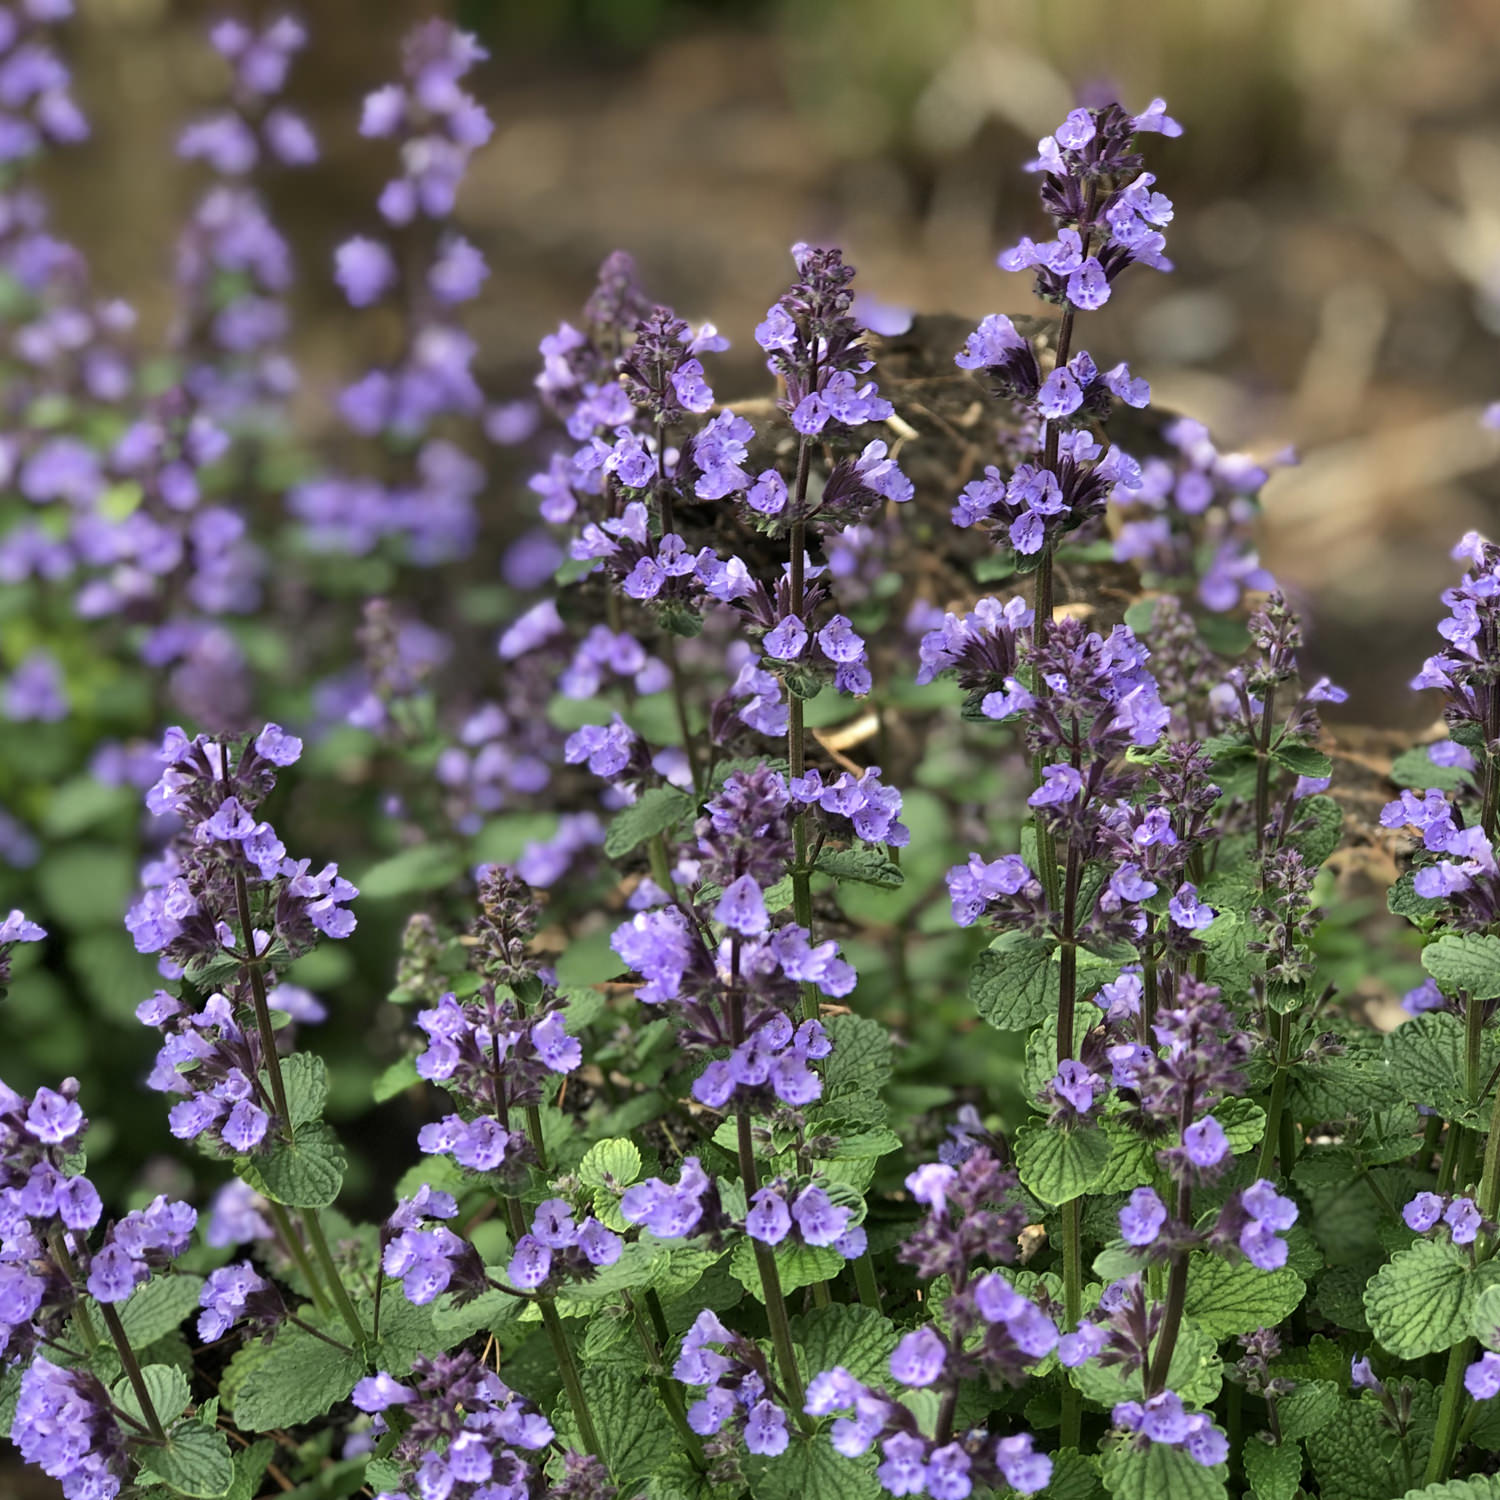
(1075, 1476)
(1420, 1301)
(1225, 1298)
(1302, 760)
(249, 1466)
(1243, 1122)
(306, 1077)
(1157, 1471)
(1476, 1487)
(1058, 1165)
(1469, 963)
(1131, 1164)
(861, 1057)
(195, 1461)
(1402, 899)
(634, 1429)
(293, 1379)
(613, 1163)
(1325, 820)
(167, 1387)
(1196, 1373)
(1484, 1317)
(797, 1266)
(655, 811)
(1352, 1458)
(1428, 1063)
(848, 1334)
(424, 867)
(812, 1470)
(1013, 983)
(866, 866)
(1415, 768)
(154, 1310)
(304, 1173)
(1273, 1473)
(1309, 1408)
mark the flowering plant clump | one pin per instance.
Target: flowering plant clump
(812, 1038)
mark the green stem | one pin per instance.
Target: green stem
(1263, 768)
(865, 1283)
(339, 1292)
(770, 1282)
(269, 1060)
(679, 701)
(667, 1388)
(80, 1307)
(1445, 1439)
(1271, 1143)
(132, 1370)
(291, 1242)
(534, 1128)
(1072, 1399)
(661, 867)
(571, 1381)
(1449, 1159)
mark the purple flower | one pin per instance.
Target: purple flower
(1205, 1143)
(742, 908)
(769, 1219)
(1142, 1218)
(919, 1358)
(1187, 911)
(365, 269)
(1024, 1470)
(1423, 1212)
(1077, 1085)
(1482, 1378)
(1462, 1216)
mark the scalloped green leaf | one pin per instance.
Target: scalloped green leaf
(864, 866)
(1469, 962)
(306, 1172)
(796, 1266)
(1158, 1472)
(1272, 1470)
(1057, 1165)
(195, 1462)
(613, 1163)
(653, 812)
(424, 867)
(167, 1388)
(293, 1379)
(1421, 1300)
(848, 1334)
(1225, 1298)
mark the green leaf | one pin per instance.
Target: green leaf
(167, 1387)
(1353, 1457)
(1427, 1062)
(1420, 1301)
(634, 1429)
(79, 804)
(812, 1470)
(655, 811)
(1309, 1408)
(867, 866)
(1272, 1472)
(154, 1310)
(291, 1380)
(1302, 760)
(1013, 983)
(1476, 1487)
(306, 1077)
(1075, 1476)
(424, 867)
(395, 1079)
(1243, 1122)
(1468, 963)
(1131, 1164)
(249, 1465)
(1057, 1165)
(1158, 1472)
(1484, 1317)
(1225, 1298)
(796, 1266)
(611, 1164)
(1415, 768)
(1196, 1373)
(1402, 899)
(848, 1334)
(86, 885)
(195, 1461)
(304, 1173)
(1326, 826)
(861, 1057)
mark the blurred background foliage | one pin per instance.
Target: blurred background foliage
(1338, 239)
